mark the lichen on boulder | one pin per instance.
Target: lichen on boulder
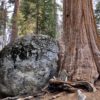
(27, 64)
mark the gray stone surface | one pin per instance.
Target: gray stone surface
(27, 65)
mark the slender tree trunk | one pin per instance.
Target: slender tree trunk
(59, 18)
(37, 17)
(14, 21)
(80, 56)
(3, 21)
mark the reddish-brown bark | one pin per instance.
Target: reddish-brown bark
(80, 56)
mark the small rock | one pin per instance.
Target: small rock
(81, 96)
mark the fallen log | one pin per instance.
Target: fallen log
(10, 98)
(84, 85)
(60, 86)
(56, 85)
(19, 98)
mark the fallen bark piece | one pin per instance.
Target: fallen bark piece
(18, 98)
(10, 98)
(84, 85)
(57, 81)
(26, 98)
(60, 86)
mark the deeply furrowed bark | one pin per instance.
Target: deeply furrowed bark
(80, 56)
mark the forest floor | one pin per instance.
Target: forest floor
(71, 96)
(62, 95)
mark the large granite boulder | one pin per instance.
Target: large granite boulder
(27, 64)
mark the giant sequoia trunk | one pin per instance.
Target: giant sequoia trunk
(80, 54)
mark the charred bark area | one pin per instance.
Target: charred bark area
(80, 54)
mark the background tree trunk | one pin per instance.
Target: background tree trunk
(3, 21)
(80, 56)
(14, 21)
(37, 17)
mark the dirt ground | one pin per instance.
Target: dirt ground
(64, 96)
(72, 96)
